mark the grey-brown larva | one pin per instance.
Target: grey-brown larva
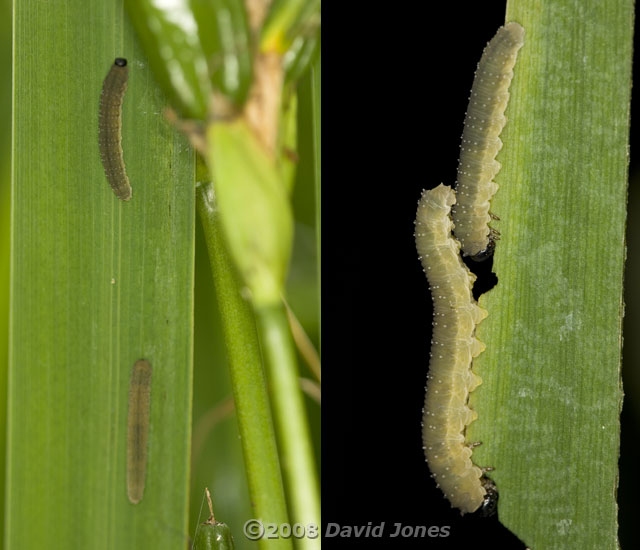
(110, 128)
(481, 140)
(450, 380)
(138, 429)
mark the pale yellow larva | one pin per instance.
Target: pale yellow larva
(481, 141)
(450, 379)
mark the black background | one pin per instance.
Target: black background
(380, 153)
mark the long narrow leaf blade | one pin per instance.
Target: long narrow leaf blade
(97, 284)
(548, 408)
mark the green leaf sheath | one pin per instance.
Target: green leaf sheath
(253, 411)
(255, 212)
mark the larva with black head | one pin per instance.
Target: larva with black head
(110, 128)
(453, 346)
(481, 142)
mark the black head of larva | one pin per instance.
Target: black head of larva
(486, 253)
(120, 62)
(489, 506)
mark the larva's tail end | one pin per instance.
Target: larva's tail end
(134, 494)
(125, 196)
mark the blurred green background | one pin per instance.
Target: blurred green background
(217, 460)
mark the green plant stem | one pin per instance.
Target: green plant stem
(303, 343)
(247, 377)
(293, 432)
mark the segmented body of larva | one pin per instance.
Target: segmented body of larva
(110, 128)
(453, 346)
(138, 429)
(481, 141)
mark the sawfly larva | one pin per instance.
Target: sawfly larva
(138, 429)
(481, 142)
(453, 346)
(110, 128)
